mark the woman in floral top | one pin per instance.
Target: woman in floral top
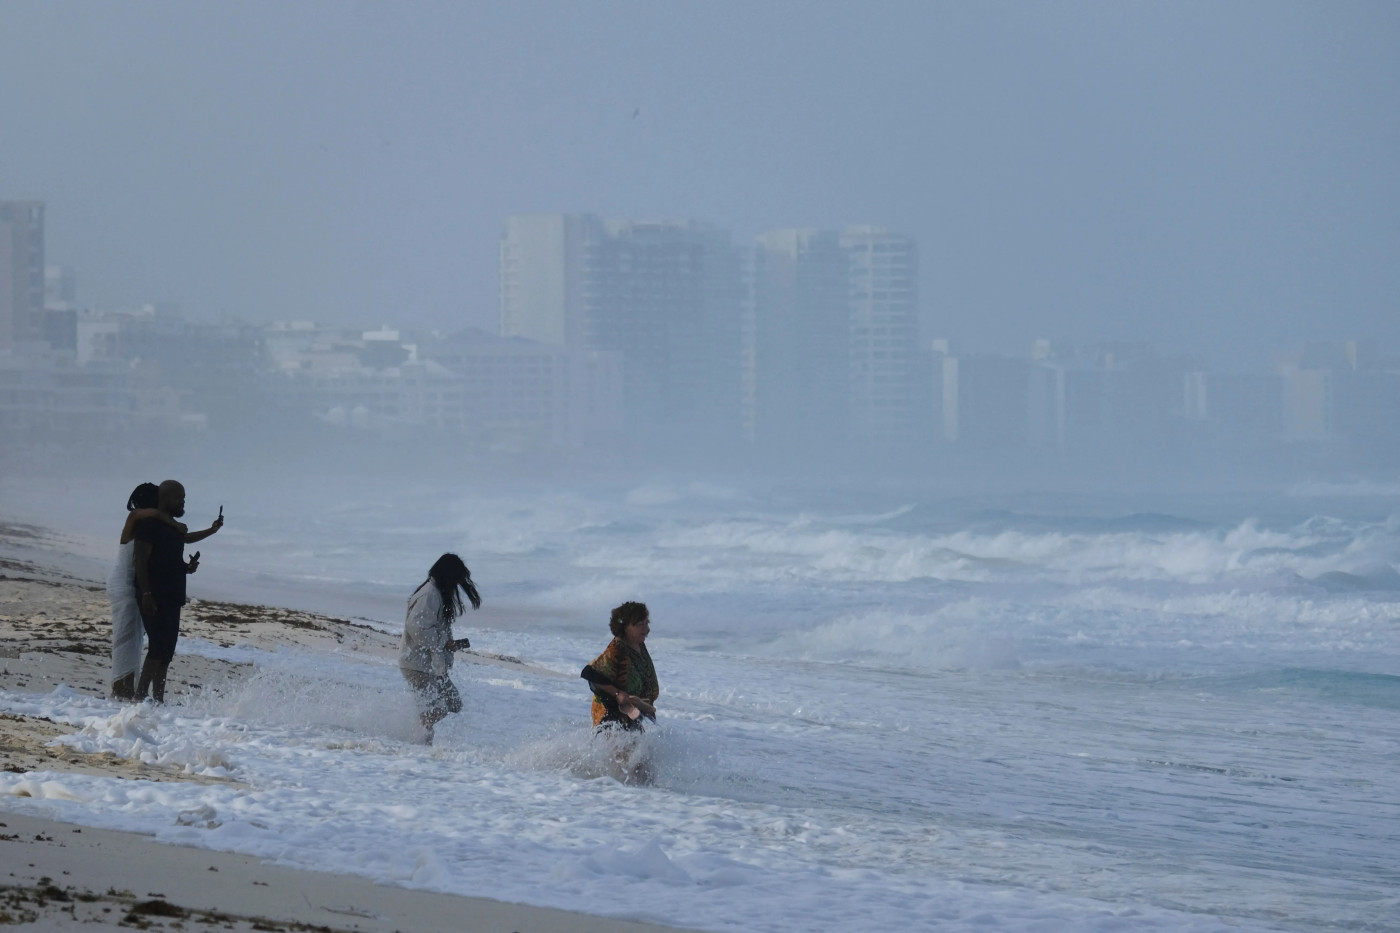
(622, 677)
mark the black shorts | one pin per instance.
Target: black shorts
(435, 695)
(163, 628)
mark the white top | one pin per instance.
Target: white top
(425, 633)
(127, 629)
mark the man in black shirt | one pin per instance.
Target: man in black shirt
(160, 577)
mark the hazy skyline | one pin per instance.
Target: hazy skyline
(1202, 176)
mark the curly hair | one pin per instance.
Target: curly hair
(625, 615)
(145, 496)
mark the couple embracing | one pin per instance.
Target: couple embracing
(147, 587)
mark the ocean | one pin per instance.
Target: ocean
(881, 709)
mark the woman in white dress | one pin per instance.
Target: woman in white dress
(427, 648)
(121, 590)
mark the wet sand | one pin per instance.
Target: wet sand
(59, 876)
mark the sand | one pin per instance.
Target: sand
(54, 629)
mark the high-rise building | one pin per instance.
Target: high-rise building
(666, 298)
(885, 380)
(826, 351)
(669, 297)
(543, 259)
(21, 272)
(801, 339)
(984, 403)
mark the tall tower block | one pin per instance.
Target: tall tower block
(543, 261)
(884, 335)
(21, 272)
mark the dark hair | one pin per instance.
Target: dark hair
(625, 615)
(145, 496)
(447, 575)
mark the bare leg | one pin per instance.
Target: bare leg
(124, 688)
(640, 774)
(158, 682)
(148, 671)
(429, 720)
(152, 678)
(628, 758)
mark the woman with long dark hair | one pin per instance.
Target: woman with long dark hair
(427, 649)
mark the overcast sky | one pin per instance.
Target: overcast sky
(1213, 176)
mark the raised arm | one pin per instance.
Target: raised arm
(192, 536)
(136, 516)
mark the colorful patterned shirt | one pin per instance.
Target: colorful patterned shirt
(626, 668)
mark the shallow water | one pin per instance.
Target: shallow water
(878, 712)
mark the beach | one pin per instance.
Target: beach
(61, 876)
(55, 634)
(878, 711)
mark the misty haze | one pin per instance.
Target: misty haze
(997, 407)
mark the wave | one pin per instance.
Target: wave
(737, 552)
(1349, 687)
(1381, 579)
(693, 537)
(1103, 628)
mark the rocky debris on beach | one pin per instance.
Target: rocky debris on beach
(49, 906)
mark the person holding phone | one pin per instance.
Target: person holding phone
(161, 568)
(427, 648)
(127, 632)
